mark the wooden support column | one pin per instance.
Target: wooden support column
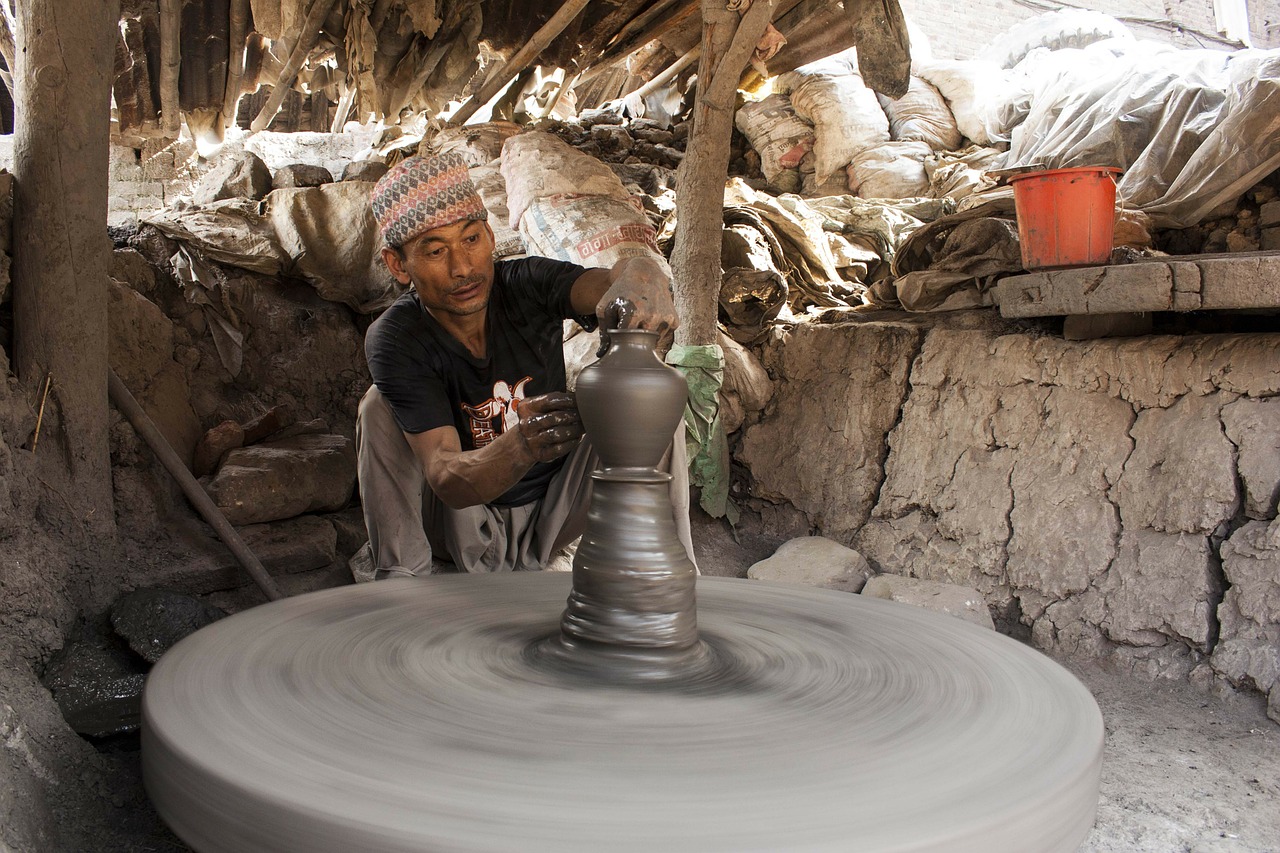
(61, 251)
(521, 60)
(170, 64)
(237, 33)
(727, 44)
(306, 40)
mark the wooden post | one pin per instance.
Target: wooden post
(306, 40)
(238, 31)
(727, 44)
(61, 251)
(668, 74)
(521, 60)
(170, 65)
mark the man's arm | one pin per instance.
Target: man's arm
(549, 427)
(634, 294)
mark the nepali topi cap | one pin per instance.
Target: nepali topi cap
(422, 193)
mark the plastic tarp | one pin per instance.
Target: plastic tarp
(1192, 129)
(325, 235)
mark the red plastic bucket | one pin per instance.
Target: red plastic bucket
(1066, 217)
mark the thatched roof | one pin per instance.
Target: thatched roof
(380, 58)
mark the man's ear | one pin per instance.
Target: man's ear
(395, 262)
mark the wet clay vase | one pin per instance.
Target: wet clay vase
(632, 608)
(630, 401)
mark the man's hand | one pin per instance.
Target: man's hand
(549, 425)
(639, 297)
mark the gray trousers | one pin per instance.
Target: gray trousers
(407, 523)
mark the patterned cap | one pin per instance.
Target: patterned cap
(422, 193)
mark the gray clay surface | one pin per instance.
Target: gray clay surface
(414, 715)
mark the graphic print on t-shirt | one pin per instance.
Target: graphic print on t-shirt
(496, 415)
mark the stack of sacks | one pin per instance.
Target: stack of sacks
(847, 119)
(569, 205)
(920, 123)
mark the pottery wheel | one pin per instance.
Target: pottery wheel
(418, 715)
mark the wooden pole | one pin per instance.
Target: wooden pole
(306, 40)
(237, 33)
(343, 109)
(61, 253)
(170, 65)
(669, 73)
(136, 415)
(521, 60)
(727, 43)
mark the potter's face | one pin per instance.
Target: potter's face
(450, 267)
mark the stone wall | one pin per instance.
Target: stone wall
(162, 172)
(1112, 498)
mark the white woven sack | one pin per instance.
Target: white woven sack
(538, 165)
(594, 231)
(493, 192)
(894, 170)
(979, 94)
(478, 144)
(778, 135)
(922, 115)
(846, 117)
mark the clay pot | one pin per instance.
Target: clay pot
(630, 401)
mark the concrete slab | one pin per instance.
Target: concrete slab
(1245, 280)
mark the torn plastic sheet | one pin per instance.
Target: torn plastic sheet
(198, 281)
(1192, 129)
(705, 441)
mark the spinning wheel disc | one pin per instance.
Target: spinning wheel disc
(418, 715)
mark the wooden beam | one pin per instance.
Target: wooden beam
(237, 33)
(306, 41)
(521, 60)
(170, 64)
(625, 45)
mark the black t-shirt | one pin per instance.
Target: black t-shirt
(431, 380)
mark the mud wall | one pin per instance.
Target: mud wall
(1112, 498)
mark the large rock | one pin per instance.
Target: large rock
(1248, 649)
(822, 445)
(960, 601)
(152, 621)
(299, 545)
(1181, 477)
(239, 175)
(98, 690)
(301, 175)
(282, 479)
(814, 561)
(368, 171)
(1162, 586)
(141, 353)
(1254, 428)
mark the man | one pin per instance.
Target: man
(468, 442)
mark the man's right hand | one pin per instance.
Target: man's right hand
(549, 425)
